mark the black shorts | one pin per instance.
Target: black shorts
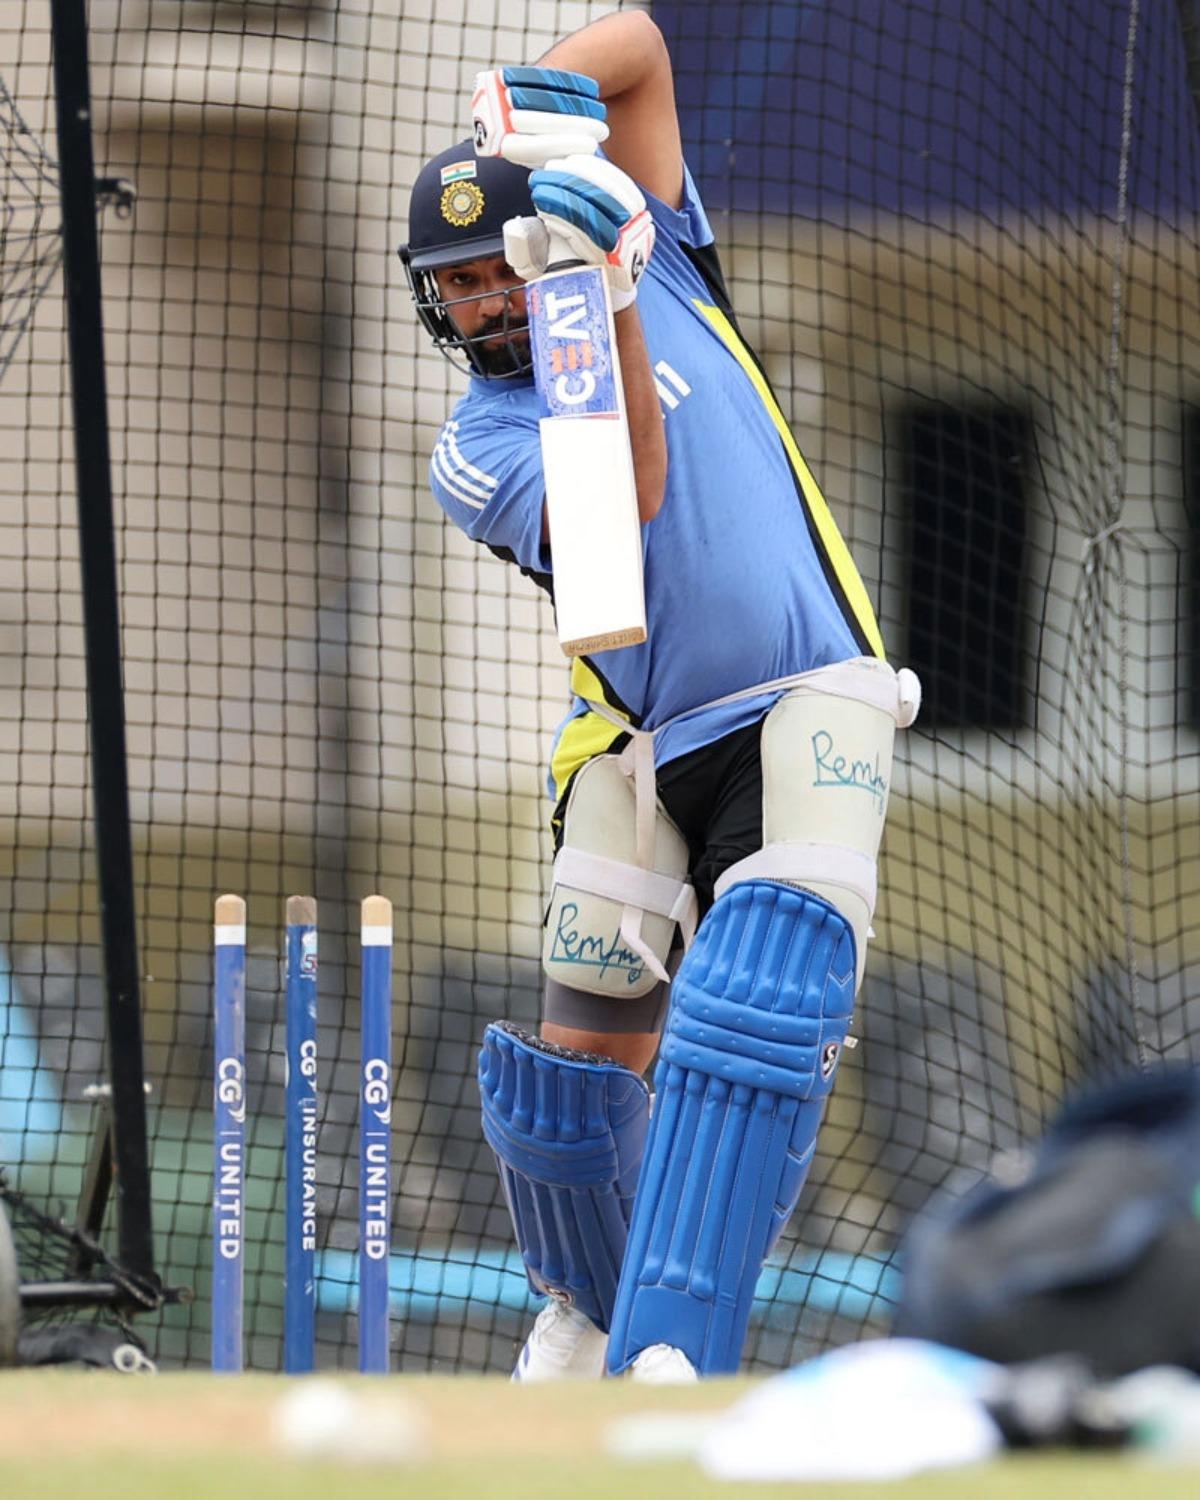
(714, 797)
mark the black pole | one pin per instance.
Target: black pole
(1189, 25)
(102, 638)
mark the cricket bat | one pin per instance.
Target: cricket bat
(591, 495)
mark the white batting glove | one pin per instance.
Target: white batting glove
(598, 213)
(527, 246)
(528, 115)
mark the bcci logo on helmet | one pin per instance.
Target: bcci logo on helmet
(462, 203)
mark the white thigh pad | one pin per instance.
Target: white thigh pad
(827, 771)
(611, 922)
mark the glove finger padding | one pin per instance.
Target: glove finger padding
(599, 213)
(528, 115)
(527, 246)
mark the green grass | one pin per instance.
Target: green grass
(1061, 1477)
(191, 1437)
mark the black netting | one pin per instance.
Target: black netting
(30, 245)
(963, 239)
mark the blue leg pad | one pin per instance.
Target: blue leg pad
(759, 1012)
(568, 1130)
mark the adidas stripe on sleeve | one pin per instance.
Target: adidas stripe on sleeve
(487, 476)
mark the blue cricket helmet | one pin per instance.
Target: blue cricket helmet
(457, 212)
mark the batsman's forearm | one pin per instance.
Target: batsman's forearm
(647, 434)
(619, 51)
(627, 56)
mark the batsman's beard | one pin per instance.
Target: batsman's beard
(503, 351)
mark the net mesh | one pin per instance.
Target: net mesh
(963, 239)
(30, 245)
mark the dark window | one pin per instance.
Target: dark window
(964, 476)
(1189, 634)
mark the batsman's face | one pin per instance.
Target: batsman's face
(486, 301)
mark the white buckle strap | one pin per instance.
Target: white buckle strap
(629, 885)
(828, 864)
(638, 890)
(865, 679)
(638, 758)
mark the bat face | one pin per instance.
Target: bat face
(591, 495)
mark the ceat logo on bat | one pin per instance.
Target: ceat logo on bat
(569, 338)
(571, 357)
(571, 349)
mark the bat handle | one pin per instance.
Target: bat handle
(561, 256)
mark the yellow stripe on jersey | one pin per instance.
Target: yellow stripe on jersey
(588, 735)
(582, 737)
(836, 551)
(587, 683)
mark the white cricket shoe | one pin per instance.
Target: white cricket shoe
(562, 1345)
(663, 1364)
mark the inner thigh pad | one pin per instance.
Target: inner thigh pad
(590, 942)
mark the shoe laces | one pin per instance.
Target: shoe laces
(559, 1327)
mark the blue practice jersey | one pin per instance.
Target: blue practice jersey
(747, 578)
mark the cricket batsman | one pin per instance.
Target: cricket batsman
(719, 790)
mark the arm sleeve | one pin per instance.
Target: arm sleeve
(486, 474)
(688, 224)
